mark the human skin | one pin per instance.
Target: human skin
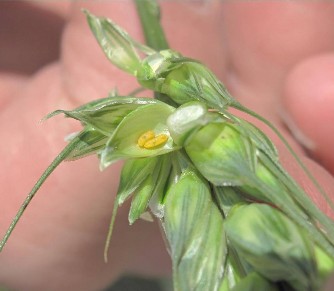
(275, 57)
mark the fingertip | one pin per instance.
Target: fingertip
(308, 99)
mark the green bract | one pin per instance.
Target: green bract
(124, 141)
(228, 154)
(113, 126)
(134, 174)
(106, 114)
(325, 264)
(270, 242)
(118, 46)
(180, 78)
(100, 119)
(194, 229)
(253, 282)
(187, 119)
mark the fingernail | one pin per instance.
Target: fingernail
(296, 132)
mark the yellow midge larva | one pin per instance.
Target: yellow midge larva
(146, 136)
(149, 140)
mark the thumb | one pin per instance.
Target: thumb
(309, 104)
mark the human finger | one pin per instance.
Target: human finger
(264, 40)
(309, 106)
